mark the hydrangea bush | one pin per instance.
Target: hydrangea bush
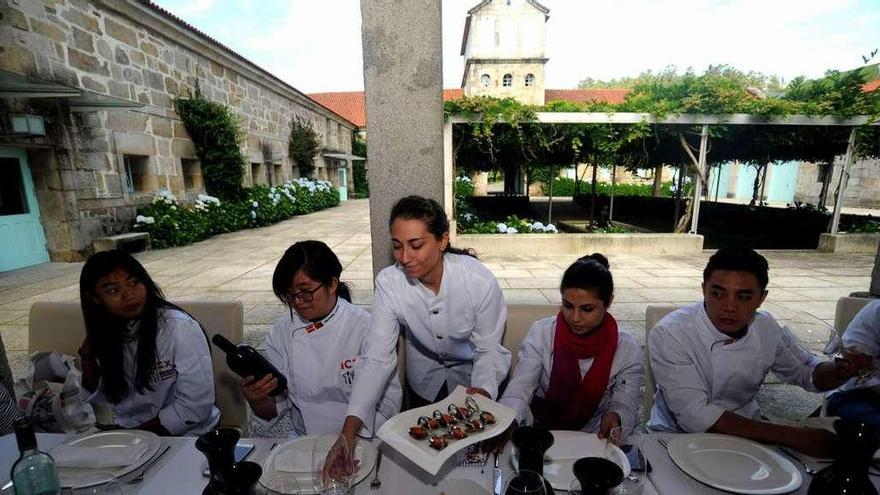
(470, 224)
(171, 223)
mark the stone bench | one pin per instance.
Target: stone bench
(131, 242)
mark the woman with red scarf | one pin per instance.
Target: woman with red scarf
(577, 370)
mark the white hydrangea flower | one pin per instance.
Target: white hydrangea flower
(149, 220)
(253, 215)
(512, 230)
(550, 228)
(255, 204)
(140, 219)
(502, 227)
(537, 226)
(173, 207)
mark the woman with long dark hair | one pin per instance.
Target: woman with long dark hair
(452, 310)
(577, 370)
(316, 347)
(144, 356)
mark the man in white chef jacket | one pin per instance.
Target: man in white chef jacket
(710, 358)
(859, 398)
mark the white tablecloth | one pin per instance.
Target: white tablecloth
(180, 470)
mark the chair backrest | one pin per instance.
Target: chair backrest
(653, 314)
(6, 379)
(59, 326)
(519, 319)
(847, 308)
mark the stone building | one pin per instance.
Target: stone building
(862, 190)
(503, 46)
(88, 130)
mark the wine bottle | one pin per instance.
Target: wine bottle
(244, 360)
(34, 472)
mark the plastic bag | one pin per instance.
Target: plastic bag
(50, 394)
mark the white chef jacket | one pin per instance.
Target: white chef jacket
(452, 337)
(532, 377)
(182, 381)
(699, 376)
(863, 333)
(320, 361)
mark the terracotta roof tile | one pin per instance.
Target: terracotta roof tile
(348, 104)
(613, 95)
(872, 85)
(351, 104)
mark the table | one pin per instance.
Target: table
(180, 470)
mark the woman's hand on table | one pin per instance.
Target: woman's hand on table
(478, 390)
(815, 442)
(610, 420)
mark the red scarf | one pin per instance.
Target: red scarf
(570, 401)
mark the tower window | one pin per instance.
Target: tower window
(484, 80)
(530, 79)
(507, 81)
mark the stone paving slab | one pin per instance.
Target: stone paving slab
(804, 285)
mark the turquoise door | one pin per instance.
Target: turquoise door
(22, 242)
(783, 182)
(343, 183)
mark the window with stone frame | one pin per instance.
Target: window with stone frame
(277, 179)
(485, 80)
(258, 173)
(530, 80)
(192, 174)
(822, 170)
(136, 168)
(507, 80)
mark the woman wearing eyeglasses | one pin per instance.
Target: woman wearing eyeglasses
(316, 346)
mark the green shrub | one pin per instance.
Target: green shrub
(170, 223)
(215, 133)
(511, 225)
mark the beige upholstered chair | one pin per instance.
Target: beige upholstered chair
(519, 319)
(59, 326)
(847, 309)
(653, 314)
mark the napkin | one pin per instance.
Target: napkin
(77, 456)
(296, 460)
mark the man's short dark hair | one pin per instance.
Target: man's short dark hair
(738, 259)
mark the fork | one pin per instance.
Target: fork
(376, 482)
(137, 479)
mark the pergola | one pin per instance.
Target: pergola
(703, 120)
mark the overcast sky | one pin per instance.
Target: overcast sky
(315, 45)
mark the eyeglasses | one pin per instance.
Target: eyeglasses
(305, 296)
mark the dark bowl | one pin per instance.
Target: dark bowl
(597, 474)
(218, 438)
(532, 438)
(246, 473)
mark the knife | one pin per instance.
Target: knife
(496, 474)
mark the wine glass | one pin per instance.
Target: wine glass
(332, 465)
(634, 483)
(524, 482)
(100, 483)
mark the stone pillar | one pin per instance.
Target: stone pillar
(403, 79)
(875, 275)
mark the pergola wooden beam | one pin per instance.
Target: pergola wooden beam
(680, 119)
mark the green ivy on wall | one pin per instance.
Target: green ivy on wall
(214, 131)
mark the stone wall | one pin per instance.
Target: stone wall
(862, 190)
(132, 51)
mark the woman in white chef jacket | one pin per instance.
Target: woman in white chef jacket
(316, 347)
(449, 305)
(577, 370)
(146, 357)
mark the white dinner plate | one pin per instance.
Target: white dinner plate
(303, 482)
(734, 464)
(70, 477)
(568, 447)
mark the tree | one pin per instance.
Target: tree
(303, 145)
(359, 167)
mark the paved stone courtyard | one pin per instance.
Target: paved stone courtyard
(804, 285)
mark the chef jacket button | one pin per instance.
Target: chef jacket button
(435, 311)
(439, 336)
